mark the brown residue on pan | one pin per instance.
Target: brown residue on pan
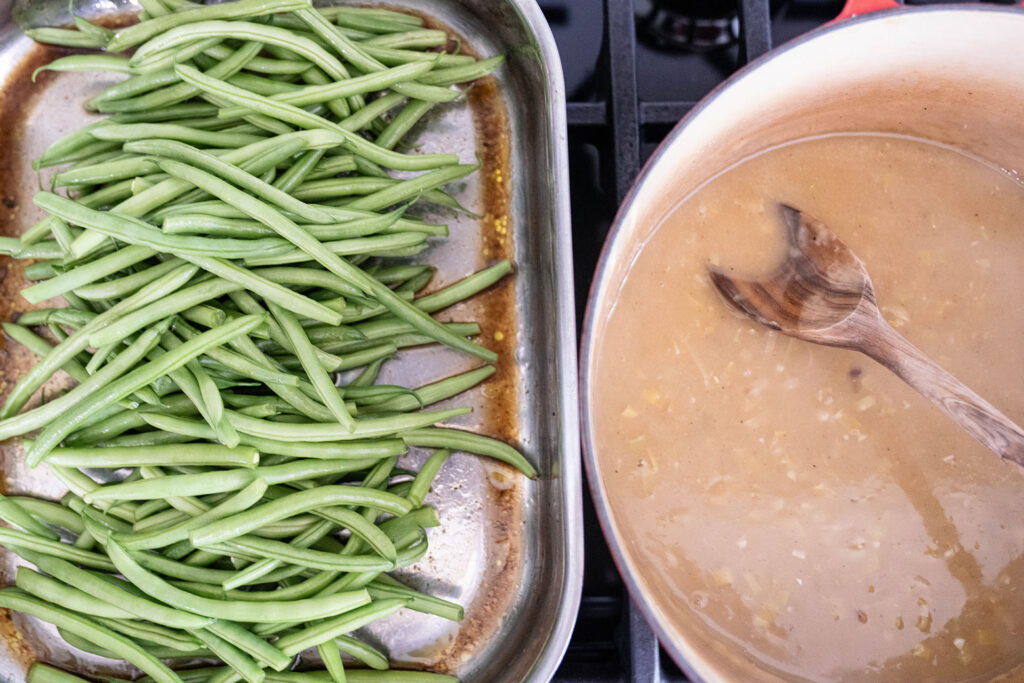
(17, 98)
(17, 101)
(497, 318)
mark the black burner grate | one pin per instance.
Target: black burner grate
(633, 69)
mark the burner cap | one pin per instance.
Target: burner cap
(690, 24)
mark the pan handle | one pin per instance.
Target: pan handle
(854, 7)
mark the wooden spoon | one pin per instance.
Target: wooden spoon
(822, 293)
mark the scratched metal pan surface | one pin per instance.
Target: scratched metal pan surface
(509, 550)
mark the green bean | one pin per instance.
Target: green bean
(68, 597)
(143, 31)
(293, 233)
(189, 110)
(120, 422)
(255, 571)
(242, 30)
(75, 344)
(302, 403)
(123, 286)
(244, 640)
(254, 612)
(304, 557)
(210, 163)
(12, 538)
(329, 167)
(336, 188)
(105, 171)
(158, 651)
(410, 188)
(65, 37)
(295, 115)
(88, 151)
(135, 231)
(392, 676)
(330, 655)
(238, 363)
(294, 504)
(366, 116)
(359, 227)
(464, 288)
(49, 249)
(317, 375)
(169, 131)
(178, 570)
(195, 454)
(403, 123)
(171, 91)
(287, 298)
(364, 451)
(43, 673)
(389, 56)
(261, 85)
(78, 484)
(132, 87)
(358, 56)
(221, 209)
(71, 317)
(173, 303)
(371, 19)
(365, 653)
(458, 440)
(417, 38)
(361, 84)
(47, 413)
(435, 391)
(364, 428)
(90, 272)
(300, 170)
(12, 512)
(278, 67)
(55, 431)
(40, 270)
(111, 594)
(205, 315)
(153, 8)
(218, 481)
(464, 73)
(384, 587)
(421, 483)
(51, 513)
(88, 629)
(69, 144)
(201, 388)
(242, 663)
(152, 633)
(318, 633)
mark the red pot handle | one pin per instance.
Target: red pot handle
(854, 7)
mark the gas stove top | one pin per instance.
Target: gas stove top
(633, 68)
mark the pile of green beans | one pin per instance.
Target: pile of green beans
(229, 243)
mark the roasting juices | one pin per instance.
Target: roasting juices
(797, 511)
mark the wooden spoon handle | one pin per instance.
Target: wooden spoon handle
(975, 415)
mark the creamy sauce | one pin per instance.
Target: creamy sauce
(796, 510)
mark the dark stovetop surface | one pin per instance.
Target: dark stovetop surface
(626, 88)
